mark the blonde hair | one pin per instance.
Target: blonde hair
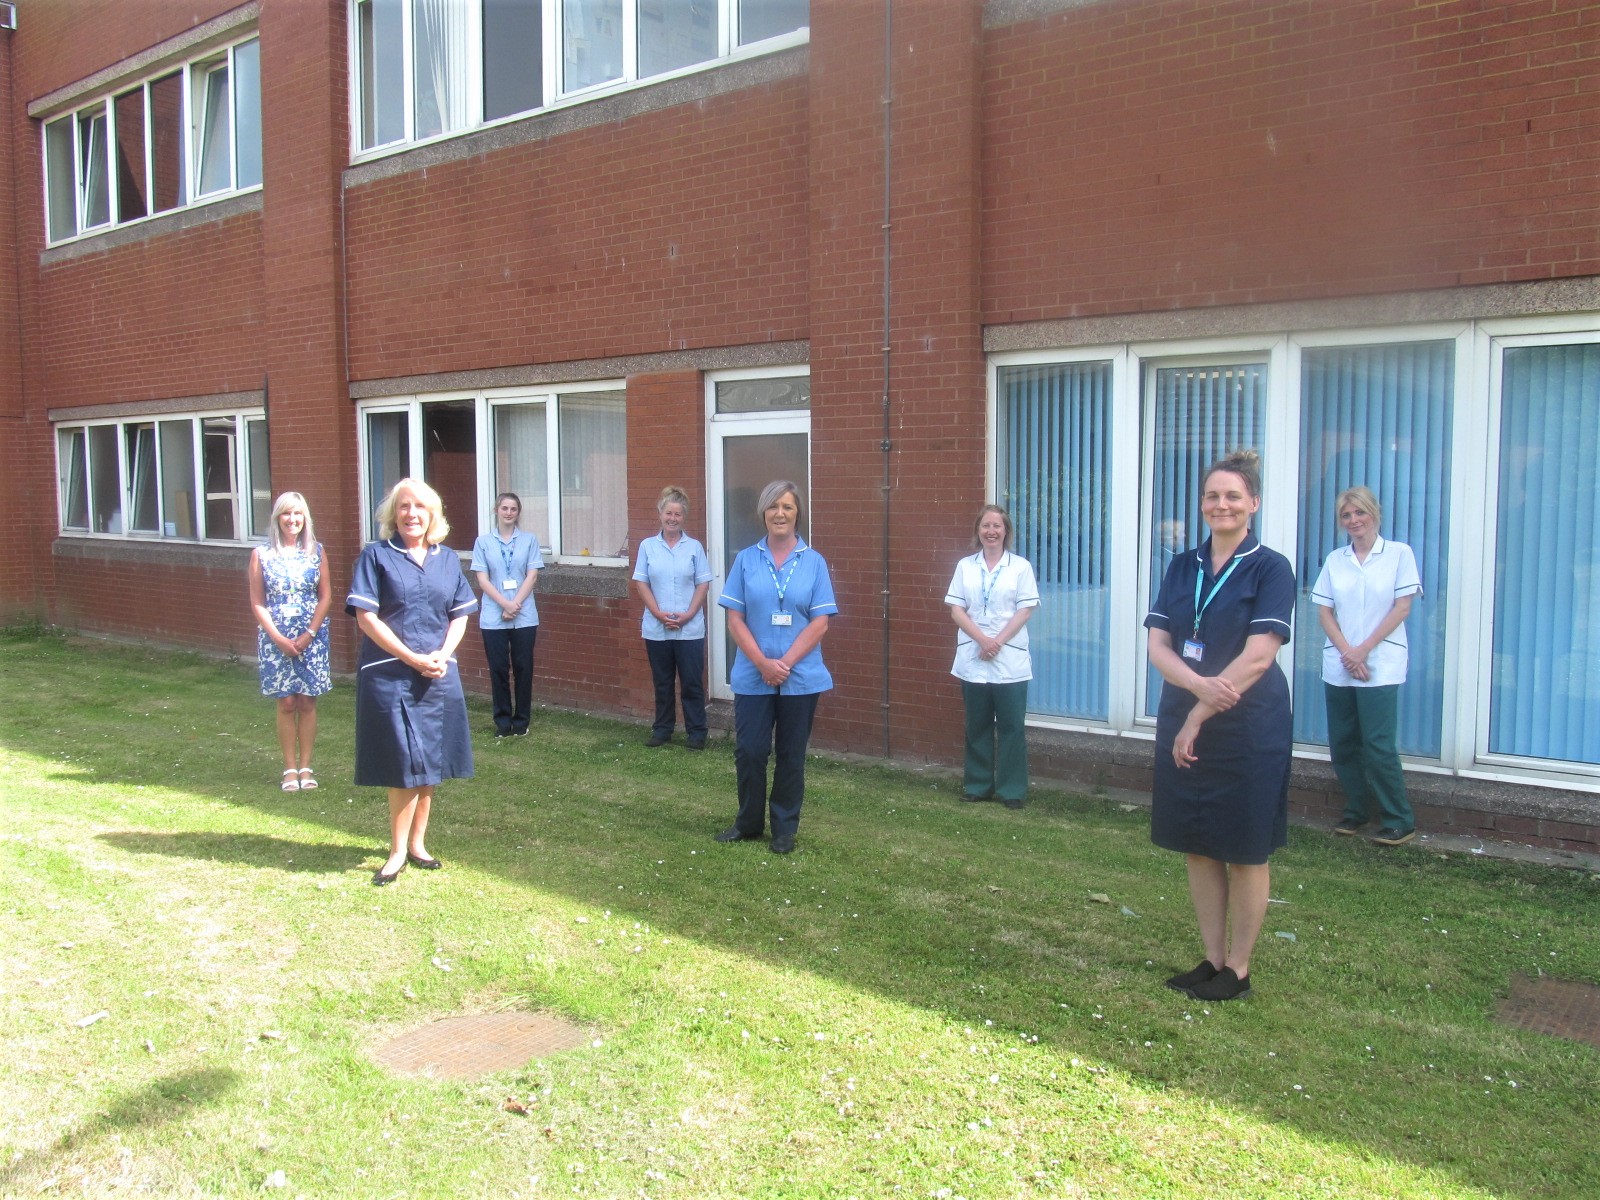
(673, 494)
(1363, 499)
(438, 526)
(308, 537)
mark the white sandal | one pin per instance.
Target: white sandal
(309, 783)
(291, 785)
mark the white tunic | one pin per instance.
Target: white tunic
(991, 599)
(1361, 595)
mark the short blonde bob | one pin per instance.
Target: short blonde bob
(1362, 499)
(308, 537)
(438, 527)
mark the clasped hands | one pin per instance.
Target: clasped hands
(774, 671)
(431, 666)
(296, 646)
(988, 646)
(672, 620)
(1217, 693)
(1355, 661)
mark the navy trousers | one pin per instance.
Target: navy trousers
(510, 655)
(674, 666)
(762, 724)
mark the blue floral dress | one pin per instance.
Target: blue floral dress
(289, 578)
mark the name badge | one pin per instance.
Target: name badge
(508, 585)
(1194, 650)
(783, 618)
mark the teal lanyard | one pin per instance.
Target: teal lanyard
(988, 579)
(1199, 609)
(782, 586)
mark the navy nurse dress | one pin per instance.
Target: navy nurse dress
(411, 731)
(1232, 804)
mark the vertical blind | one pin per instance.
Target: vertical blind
(1200, 414)
(1377, 416)
(1055, 451)
(1544, 690)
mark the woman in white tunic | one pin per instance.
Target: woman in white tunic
(991, 597)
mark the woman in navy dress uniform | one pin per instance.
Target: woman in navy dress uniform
(1223, 730)
(410, 600)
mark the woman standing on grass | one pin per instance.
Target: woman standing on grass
(411, 602)
(1223, 729)
(991, 597)
(1363, 597)
(779, 597)
(672, 578)
(290, 596)
(507, 562)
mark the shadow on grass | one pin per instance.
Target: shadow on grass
(971, 911)
(169, 1098)
(250, 849)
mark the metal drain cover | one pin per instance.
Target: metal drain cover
(1560, 1007)
(461, 1047)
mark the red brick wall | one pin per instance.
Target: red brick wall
(673, 229)
(19, 593)
(139, 596)
(1151, 156)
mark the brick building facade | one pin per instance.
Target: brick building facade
(909, 229)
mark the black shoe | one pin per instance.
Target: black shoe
(381, 879)
(658, 739)
(520, 732)
(783, 845)
(1393, 837)
(1012, 803)
(1224, 985)
(424, 864)
(1349, 827)
(1182, 983)
(696, 743)
(500, 733)
(974, 797)
(733, 834)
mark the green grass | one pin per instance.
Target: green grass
(925, 1001)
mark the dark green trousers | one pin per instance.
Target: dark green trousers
(1361, 736)
(997, 741)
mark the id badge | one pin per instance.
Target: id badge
(1194, 651)
(783, 618)
(508, 585)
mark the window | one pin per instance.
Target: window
(1480, 441)
(564, 453)
(431, 68)
(138, 478)
(122, 158)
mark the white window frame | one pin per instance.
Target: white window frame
(1474, 440)
(556, 94)
(485, 403)
(191, 195)
(243, 522)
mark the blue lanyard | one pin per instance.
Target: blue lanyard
(788, 578)
(508, 554)
(988, 579)
(1199, 609)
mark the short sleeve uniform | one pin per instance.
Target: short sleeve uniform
(1232, 804)
(991, 599)
(1361, 595)
(673, 573)
(801, 589)
(508, 564)
(410, 731)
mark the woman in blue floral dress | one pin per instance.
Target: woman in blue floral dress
(290, 595)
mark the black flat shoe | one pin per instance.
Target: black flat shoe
(1202, 973)
(783, 845)
(733, 834)
(424, 864)
(1224, 985)
(381, 879)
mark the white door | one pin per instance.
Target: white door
(760, 430)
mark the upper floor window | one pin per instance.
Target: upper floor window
(192, 477)
(187, 134)
(427, 68)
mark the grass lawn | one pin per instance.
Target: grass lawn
(927, 1000)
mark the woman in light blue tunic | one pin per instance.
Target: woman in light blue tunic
(290, 596)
